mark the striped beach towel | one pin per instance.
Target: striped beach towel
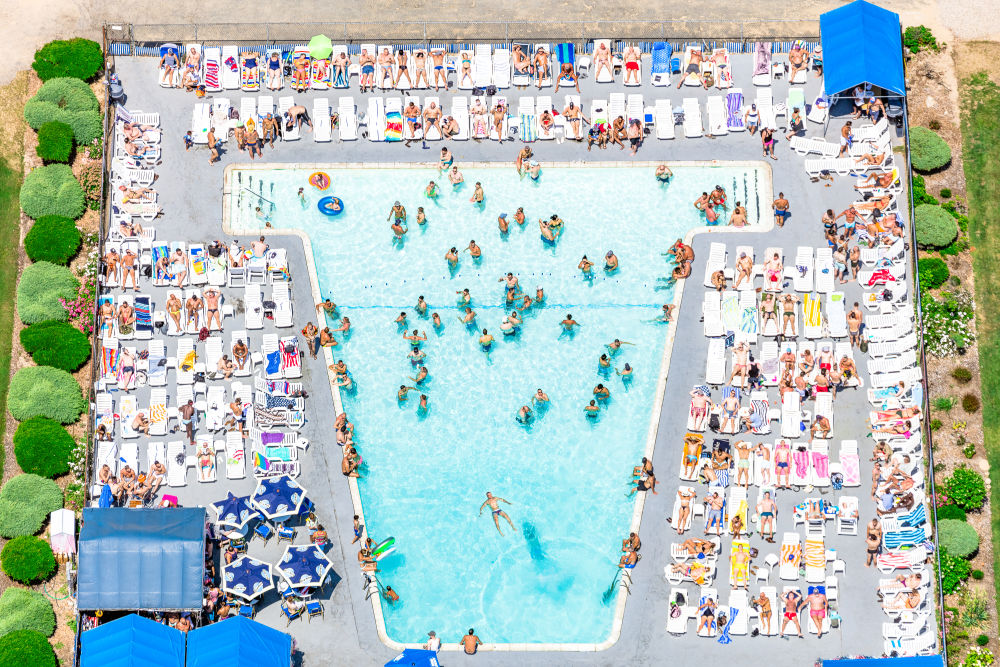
(290, 353)
(801, 460)
(527, 128)
(748, 323)
(916, 517)
(815, 553)
(732, 314)
(109, 363)
(393, 126)
(321, 70)
(734, 111)
(143, 316)
(759, 422)
(211, 74)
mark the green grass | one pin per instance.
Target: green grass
(10, 184)
(981, 156)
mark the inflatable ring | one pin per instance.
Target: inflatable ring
(319, 180)
(330, 206)
(250, 125)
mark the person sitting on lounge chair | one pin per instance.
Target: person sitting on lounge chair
(798, 60)
(821, 427)
(567, 74)
(206, 463)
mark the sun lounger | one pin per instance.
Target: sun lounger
(284, 104)
(482, 65)
(253, 303)
(690, 78)
(348, 119)
(547, 74)
(501, 68)
(659, 72)
(375, 119)
(663, 117)
(739, 612)
(717, 115)
(235, 458)
(174, 80)
(692, 117)
(291, 365)
(322, 121)
(762, 64)
(680, 612)
(791, 556)
(713, 627)
(735, 118)
(186, 360)
(812, 317)
(522, 79)
(715, 369)
(791, 415)
(460, 112)
(272, 356)
(716, 261)
(249, 73)
(176, 464)
(197, 265)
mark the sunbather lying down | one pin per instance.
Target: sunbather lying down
(695, 571)
(697, 545)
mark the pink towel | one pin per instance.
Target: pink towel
(821, 464)
(852, 469)
(801, 461)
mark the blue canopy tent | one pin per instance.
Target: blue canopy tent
(917, 661)
(132, 641)
(414, 657)
(150, 559)
(238, 642)
(862, 43)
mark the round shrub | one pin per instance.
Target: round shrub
(27, 559)
(953, 512)
(46, 391)
(43, 447)
(26, 647)
(78, 58)
(982, 640)
(970, 403)
(962, 374)
(52, 190)
(928, 151)
(978, 575)
(965, 488)
(935, 226)
(21, 609)
(70, 101)
(25, 503)
(958, 537)
(933, 272)
(55, 142)
(53, 239)
(42, 285)
(56, 344)
(945, 193)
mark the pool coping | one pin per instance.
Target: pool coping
(764, 224)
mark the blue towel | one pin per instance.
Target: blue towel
(724, 637)
(661, 58)
(107, 498)
(273, 362)
(566, 53)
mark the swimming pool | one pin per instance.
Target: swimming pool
(566, 476)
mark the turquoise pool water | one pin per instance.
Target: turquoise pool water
(566, 476)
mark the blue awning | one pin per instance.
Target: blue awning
(862, 43)
(151, 559)
(917, 661)
(238, 642)
(132, 641)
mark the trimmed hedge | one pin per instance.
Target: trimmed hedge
(52, 190)
(26, 647)
(42, 285)
(56, 344)
(935, 226)
(55, 142)
(27, 559)
(42, 447)
(52, 238)
(928, 151)
(950, 512)
(933, 272)
(70, 101)
(21, 609)
(46, 391)
(25, 504)
(958, 537)
(78, 58)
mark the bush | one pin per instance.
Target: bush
(55, 142)
(42, 285)
(25, 503)
(70, 101)
(962, 374)
(43, 447)
(945, 193)
(22, 609)
(27, 559)
(928, 151)
(943, 403)
(26, 647)
(935, 227)
(951, 512)
(918, 37)
(46, 391)
(958, 537)
(52, 190)
(953, 572)
(970, 403)
(56, 344)
(933, 272)
(965, 488)
(920, 194)
(978, 657)
(936, 424)
(978, 575)
(78, 58)
(53, 239)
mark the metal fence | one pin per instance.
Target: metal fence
(430, 32)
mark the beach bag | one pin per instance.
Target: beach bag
(714, 423)
(722, 620)
(675, 611)
(863, 345)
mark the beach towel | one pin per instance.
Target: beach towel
(852, 469)
(801, 461)
(157, 366)
(748, 324)
(791, 554)
(249, 75)
(279, 402)
(762, 58)
(661, 58)
(290, 353)
(187, 364)
(321, 70)
(265, 417)
(812, 314)
(340, 80)
(271, 438)
(273, 362)
(260, 462)
(159, 252)
(728, 391)
(231, 64)
(704, 390)
(198, 261)
(143, 316)
(393, 126)
(916, 517)
(815, 553)
(211, 74)
(126, 377)
(821, 464)
(279, 387)
(759, 422)
(909, 536)
(722, 478)
(566, 53)
(109, 362)
(734, 111)
(107, 498)
(881, 276)
(724, 637)
(732, 314)
(527, 130)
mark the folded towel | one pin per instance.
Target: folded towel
(231, 64)
(273, 362)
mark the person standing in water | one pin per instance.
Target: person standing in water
(494, 503)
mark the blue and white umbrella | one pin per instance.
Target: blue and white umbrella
(278, 497)
(247, 577)
(234, 511)
(303, 565)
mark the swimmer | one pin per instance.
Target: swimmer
(474, 250)
(403, 391)
(569, 322)
(455, 176)
(514, 319)
(414, 339)
(328, 306)
(524, 415)
(592, 408)
(399, 229)
(422, 408)
(421, 375)
(526, 303)
(469, 317)
(625, 373)
(421, 306)
(486, 340)
(540, 397)
(302, 197)
(263, 217)
(401, 319)
(452, 257)
(547, 232)
(431, 190)
(397, 212)
(465, 298)
(510, 279)
(416, 355)
(668, 313)
(663, 174)
(601, 392)
(494, 502)
(585, 266)
(534, 170)
(436, 321)
(616, 345)
(519, 216)
(610, 261)
(503, 224)
(604, 362)
(539, 296)
(421, 216)
(478, 195)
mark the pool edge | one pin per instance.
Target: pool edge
(765, 224)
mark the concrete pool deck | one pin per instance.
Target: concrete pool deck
(190, 192)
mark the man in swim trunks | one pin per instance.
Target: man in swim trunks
(440, 76)
(782, 459)
(788, 302)
(494, 503)
(631, 58)
(432, 118)
(846, 138)
(714, 504)
(694, 67)
(741, 363)
(411, 114)
(817, 609)
(367, 62)
(541, 62)
(470, 642)
(781, 212)
(730, 412)
(798, 60)
(602, 60)
(793, 602)
(743, 451)
(385, 68)
(420, 67)
(212, 296)
(767, 509)
(699, 412)
(574, 116)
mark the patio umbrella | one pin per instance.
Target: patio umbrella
(303, 565)
(414, 657)
(247, 577)
(278, 497)
(234, 511)
(320, 46)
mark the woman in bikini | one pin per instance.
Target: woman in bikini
(174, 306)
(301, 75)
(466, 69)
